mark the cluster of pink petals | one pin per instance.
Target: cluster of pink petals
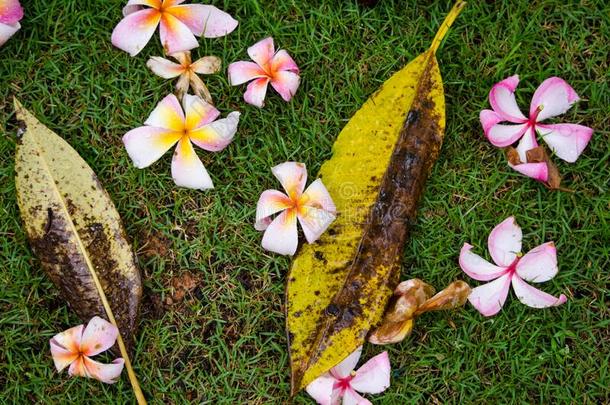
(553, 97)
(11, 13)
(178, 25)
(75, 346)
(169, 124)
(269, 66)
(313, 207)
(537, 266)
(342, 382)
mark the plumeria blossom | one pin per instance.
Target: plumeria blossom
(343, 382)
(75, 346)
(187, 71)
(193, 123)
(178, 25)
(269, 66)
(314, 208)
(553, 97)
(512, 267)
(11, 13)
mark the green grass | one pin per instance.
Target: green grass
(225, 342)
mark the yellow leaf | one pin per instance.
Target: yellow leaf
(76, 232)
(338, 287)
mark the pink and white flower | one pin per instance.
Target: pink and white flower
(512, 267)
(553, 97)
(269, 66)
(179, 24)
(169, 124)
(75, 346)
(314, 209)
(11, 13)
(343, 382)
(187, 71)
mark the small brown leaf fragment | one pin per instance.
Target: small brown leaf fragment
(454, 296)
(537, 155)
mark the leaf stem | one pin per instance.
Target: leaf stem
(444, 28)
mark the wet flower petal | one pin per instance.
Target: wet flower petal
(533, 297)
(373, 376)
(502, 100)
(164, 68)
(175, 35)
(135, 30)
(567, 140)
(553, 97)
(98, 336)
(167, 114)
(106, 373)
(270, 202)
(489, 298)
(204, 20)
(539, 264)
(477, 267)
(281, 235)
(504, 242)
(187, 169)
(292, 177)
(256, 91)
(216, 135)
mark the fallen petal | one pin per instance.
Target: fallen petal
(282, 61)
(502, 100)
(286, 84)
(533, 297)
(164, 68)
(292, 177)
(175, 35)
(256, 91)
(351, 397)
(489, 298)
(106, 373)
(199, 88)
(477, 267)
(553, 97)
(539, 264)
(527, 142)
(11, 12)
(187, 169)
(206, 65)
(269, 203)
(454, 296)
(69, 339)
(99, 336)
(62, 357)
(262, 52)
(566, 140)
(204, 20)
(317, 196)
(167, 114)
(199, 112)
(242, 72)
(281, 235)
(7, 31)
(321, 389)
(348, 364)
(217, 135)
(314, 222)
(135, 30)
(391, 332)
(137, 5)
(488, 119)
(145, 145)
(504, 242)
(504, 135)
(374, 375)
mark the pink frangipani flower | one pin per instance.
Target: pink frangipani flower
(313, 207)
(11, 13)
(179, 23)
(269, 66)
(512, 267)
(343, 382)
(553, 97)
(168, 124)
(75, 346)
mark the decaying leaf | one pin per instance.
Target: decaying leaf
(338, 287)
(76, 232)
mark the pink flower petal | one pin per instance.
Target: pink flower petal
(321, 389)
(11, 12)
(62, 357)
(533, 297)
(566, 140)
(539, 264)
(69, 339)
(292, 177)
(374, 375)
(477, 267)
(286, 84)
(262, 52)
(317, 196)
(145, 145)
(255, 94)
(282, 61)
(504, 135)
(527, 142)
(164, 68)
(351, 397)
(554, 96)
(281, 235)
(106, 373)
(175, 35)
(489, 298)
(78, 369)
(269, 203)
(346, 366)
(167, 114)
(204, 20)
(217, 135)
(135, 30)
(199, 112)
(314, 222)
(488, 119)
(187, 169)
(536, 171)
(137, 5)
(242, 72)
(502, 100)
(504, 242)
(7, 31)
(99, 336)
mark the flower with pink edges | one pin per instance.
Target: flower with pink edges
(75, 346)
(313, 208)
(553, 97)
(512, 267)
(178, 25)
(342, 382)
(11, 13)
(269, 66)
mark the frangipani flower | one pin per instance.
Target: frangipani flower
(168, 125)
(343, 382)
(512, 267)
(187, 71)
(276, 68)
(10, 15)
(74, 346)
(553, 97)
(179, 23)
(314, 208)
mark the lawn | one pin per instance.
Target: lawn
(222, 340)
